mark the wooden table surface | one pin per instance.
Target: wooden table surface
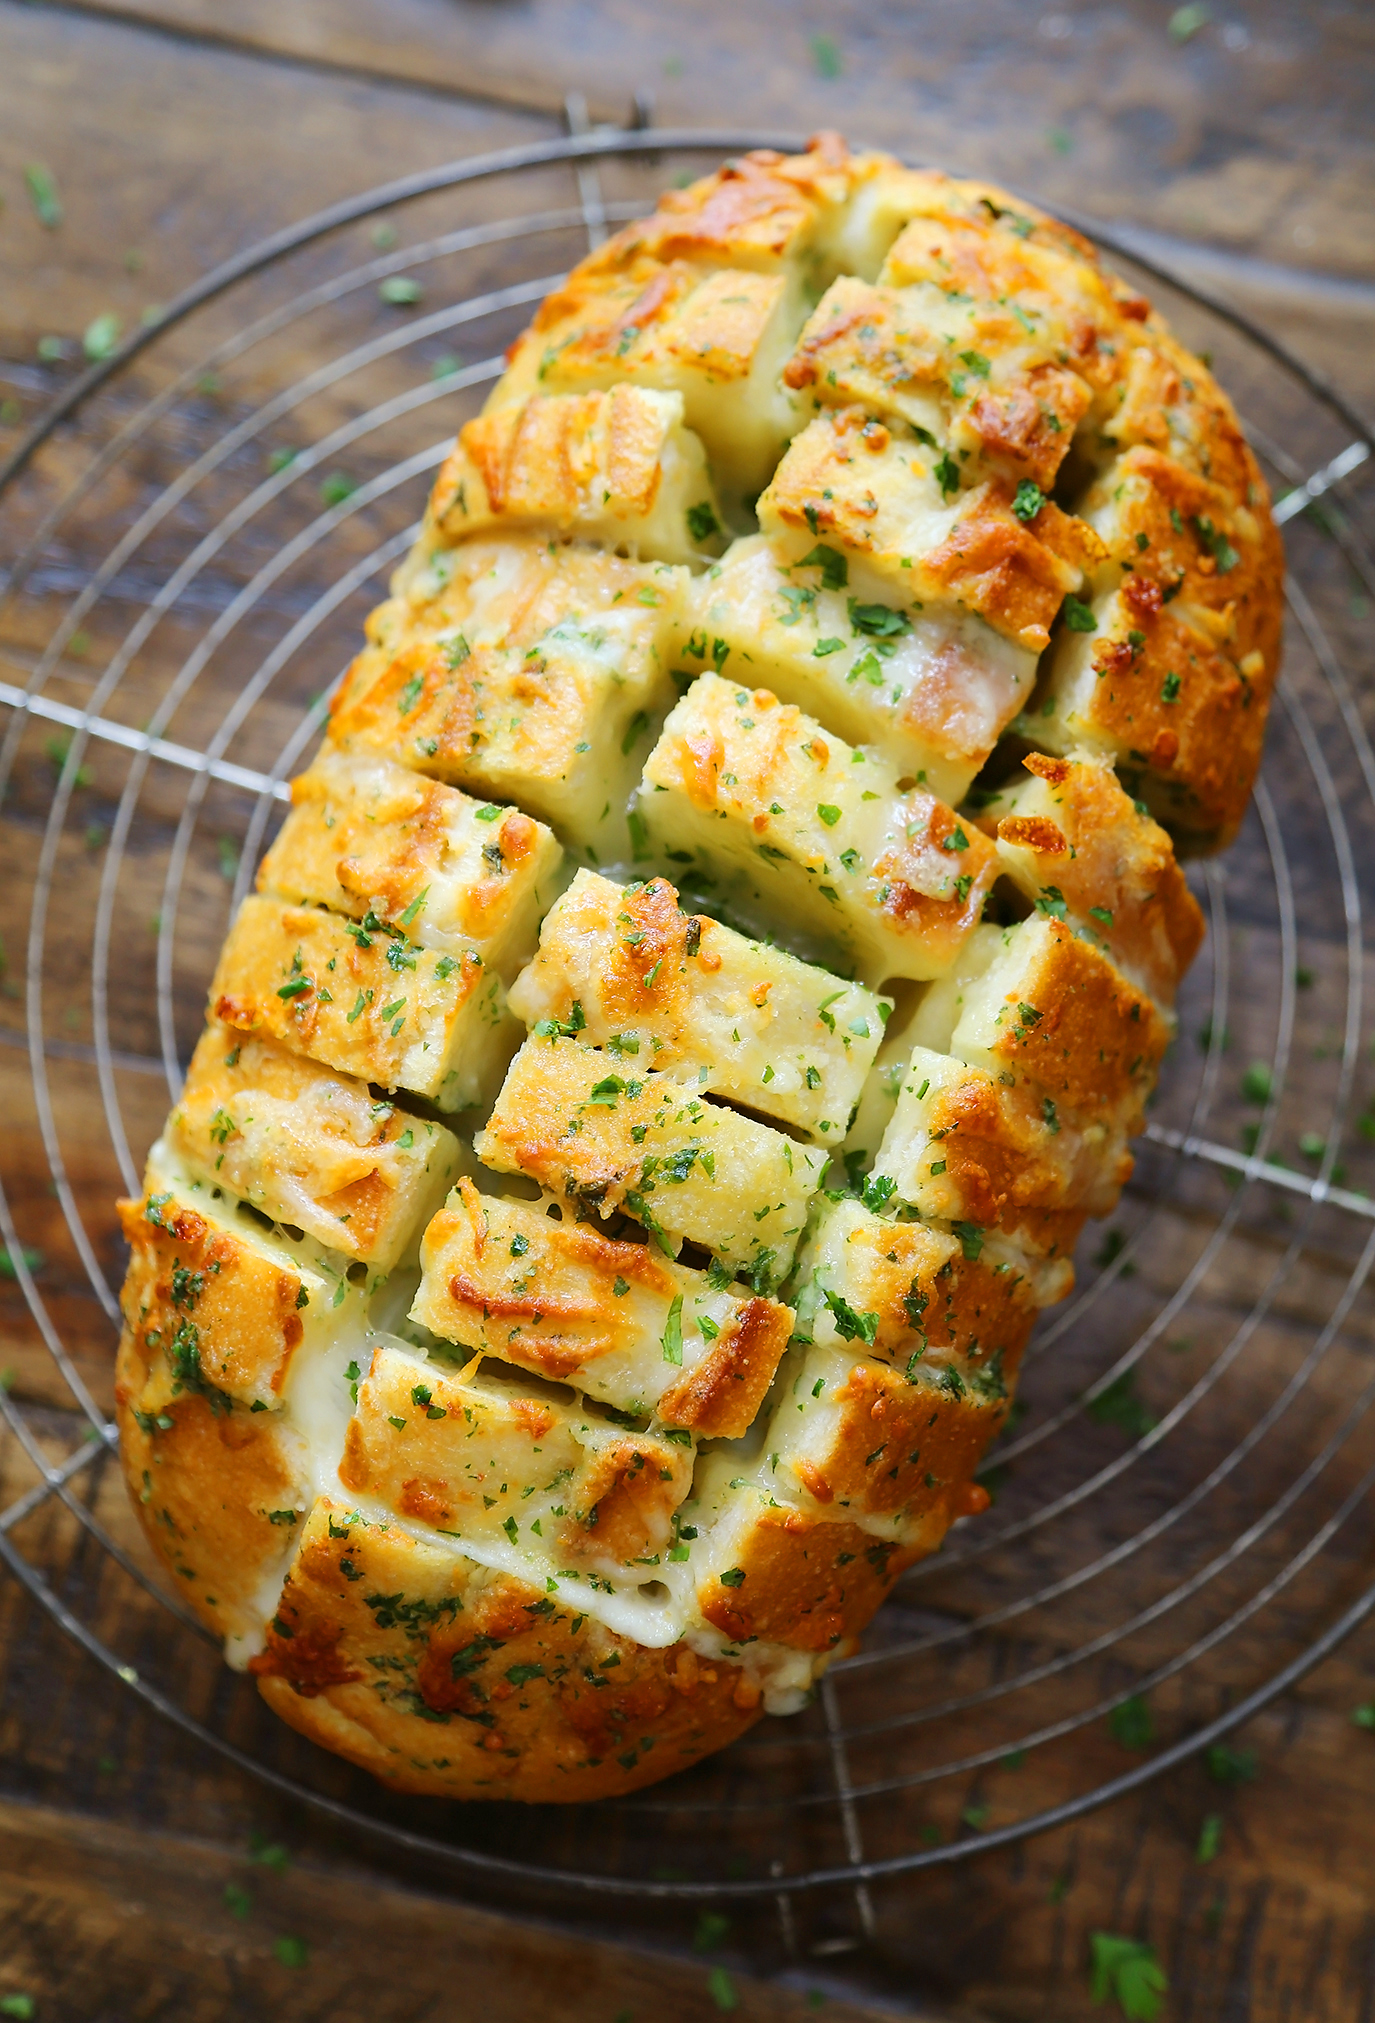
(179, 131)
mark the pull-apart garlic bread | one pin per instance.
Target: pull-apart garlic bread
(715, 965)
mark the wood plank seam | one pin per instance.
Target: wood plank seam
(207, 39)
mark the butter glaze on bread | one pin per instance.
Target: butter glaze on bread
(776, 746)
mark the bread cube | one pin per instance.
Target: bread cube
(598, 1132)
(504, 1464)
(1054, 1012)
(366, 1001)
(223, 1319)
(1161, 401)
(758, 212)
(435, 1672)
(366, 836)
(619, 1321)
(220, 1499)
(1170, 667)
(217, 1306)
(515, 590)
(910, 1294)
(306, 1146)
(681, 992)
(965, 1147)
(618, 467)
(876, 495)
(906, 225)
(815, 833)
(893, 1453)
(767, 1572)
(1082, 851)
(931, 690)
(967, 374)
(525, 670)
(718, 336)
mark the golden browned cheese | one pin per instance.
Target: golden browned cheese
(367, 836)
(307, 1147)
(560, 1299)
(364, 1000)
(879, 498)
(691, 1169)
(752, 822)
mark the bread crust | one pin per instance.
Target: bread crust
(439, 1676)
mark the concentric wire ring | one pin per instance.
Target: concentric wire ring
(1132, 1545)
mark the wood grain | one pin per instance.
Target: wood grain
(201, 127)
(110, 1921)
(1254, 142)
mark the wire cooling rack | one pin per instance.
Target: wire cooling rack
(1182, 1518)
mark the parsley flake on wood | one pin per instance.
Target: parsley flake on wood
(1127, 1970)
(41, 185)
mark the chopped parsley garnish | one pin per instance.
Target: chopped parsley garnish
(563, 1029)
(1217, 545)
(1029, 501)
(672, 1337)
(835, 570)
(851, 1326)
(702, 522)
(877, 621)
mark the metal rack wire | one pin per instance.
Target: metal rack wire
(196, 599)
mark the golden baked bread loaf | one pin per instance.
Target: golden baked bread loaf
(712, 970)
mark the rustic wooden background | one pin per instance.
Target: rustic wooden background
(180, 131)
